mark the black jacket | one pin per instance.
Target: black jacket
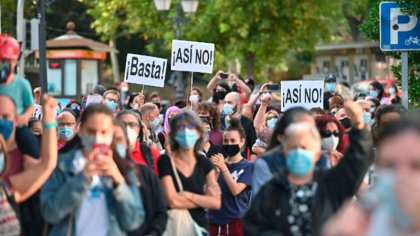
(268, 212)
(154, 204)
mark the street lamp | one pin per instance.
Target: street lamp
(188, 6)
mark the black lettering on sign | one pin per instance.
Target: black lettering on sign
(133, 68)
(313, 95)
(151, 70)
(127, 70)
(163, 70)
(295, 95)
(203, 57)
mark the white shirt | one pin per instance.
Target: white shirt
(92, 215)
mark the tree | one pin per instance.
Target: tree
(355, 12)
(371, 30)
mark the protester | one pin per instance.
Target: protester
(219, 89)
(250, 109)
(67, 127)
(209, 149)
(393, 94)
(264, 124)
(335, 100)
(99, 90)
(111, 99)
(385, 114)
(235, 183)
(333, 109)
(199, 190)
(135, 101)
(344, 120)
(374, 104)
(367, 115)
(35, 126)
(334, 138)
(300, 198)
(391, 206)
(19, 89)
(140, 152)
(231, 110)
(376, 90)
(148, 184)
(330, 90)
(195, 96)
(76, 107)
(170, 112)
(209, 111)
(88, 194)
(150, 117)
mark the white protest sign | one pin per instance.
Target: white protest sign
(37, 112)
(92, 99)
(192, 56)
(145, 70)
(302, 93)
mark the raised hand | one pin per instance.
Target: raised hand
(355, 114)
(49, 105)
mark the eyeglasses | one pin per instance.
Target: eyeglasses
(75, 107)
(189, 126)
(65, 124)
(273, 117)
(327, 133)
(112, 100)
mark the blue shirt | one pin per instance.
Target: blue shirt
(233, 207)
(20, 91)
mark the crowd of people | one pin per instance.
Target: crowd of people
(234, 164)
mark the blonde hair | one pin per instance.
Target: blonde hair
(268, 113)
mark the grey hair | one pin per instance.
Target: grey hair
(295, 128)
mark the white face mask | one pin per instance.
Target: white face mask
(194, 98)
(330, 144)
(89, 140)
(132, 137)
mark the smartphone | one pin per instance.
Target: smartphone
(103, 148)
(224, 75)
(273, 87)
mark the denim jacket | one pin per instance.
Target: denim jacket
(65, 189)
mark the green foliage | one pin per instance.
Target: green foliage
(370, 28)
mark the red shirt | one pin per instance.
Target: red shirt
(15, 165)
(137, 156)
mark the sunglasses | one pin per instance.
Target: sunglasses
(327, 133)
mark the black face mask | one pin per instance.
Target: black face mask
(231, 150)
(158, 105)
(4, 72)
(346, 122)
(220, 95)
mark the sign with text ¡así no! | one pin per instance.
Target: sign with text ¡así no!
(398, 31)
(145, 70)
(301, 93)
(192, 56)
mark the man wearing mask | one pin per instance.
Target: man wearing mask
(155, 98)
(87, 194)
(66, 127)
(112, 100)
(330, 90)
(232, 109)
(150, 117)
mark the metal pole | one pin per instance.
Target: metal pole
(179, 94)
(20, 26)
(42, 47)
(404, 78)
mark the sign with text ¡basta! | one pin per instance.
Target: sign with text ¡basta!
(192, 56)
(145, 70)
(398, 31)
(302, 93)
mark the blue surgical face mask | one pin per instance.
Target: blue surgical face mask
(366, 117)
(391, 90)
(194, 98)
(373, 93)
(65, 132)
(111, 105)
(228, 109)
(372, 109)
(187, 138)
(6, 128)
(331, 87)
(299, 162)
(271, 123)
(121, 150)
(155, 123)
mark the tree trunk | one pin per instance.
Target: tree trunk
(354, 24)
(114, 60)
(250, 64)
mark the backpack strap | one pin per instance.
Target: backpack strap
(178, 180)
(147, 153)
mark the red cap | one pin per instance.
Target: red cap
(9, 48)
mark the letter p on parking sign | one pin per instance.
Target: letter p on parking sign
(398, 31)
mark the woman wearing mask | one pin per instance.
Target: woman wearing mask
(218, 89)
(209, 148)
(235, 178)
(209, 111)
(376, 90)
(374, 104)
(341, 116)
(195, 96)
(264, 124)
(367, 115)
(393, 94)
(300, 198)
(334, 138)
(196, 174)
(150, 189)
(170, 112)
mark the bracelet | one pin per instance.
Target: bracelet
(50, 125)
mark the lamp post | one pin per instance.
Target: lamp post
(188, 6)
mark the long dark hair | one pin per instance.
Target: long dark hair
(186, 117)
(124, 164)
(380, 87)
(289, 117)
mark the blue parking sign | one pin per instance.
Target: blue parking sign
(398, 31)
